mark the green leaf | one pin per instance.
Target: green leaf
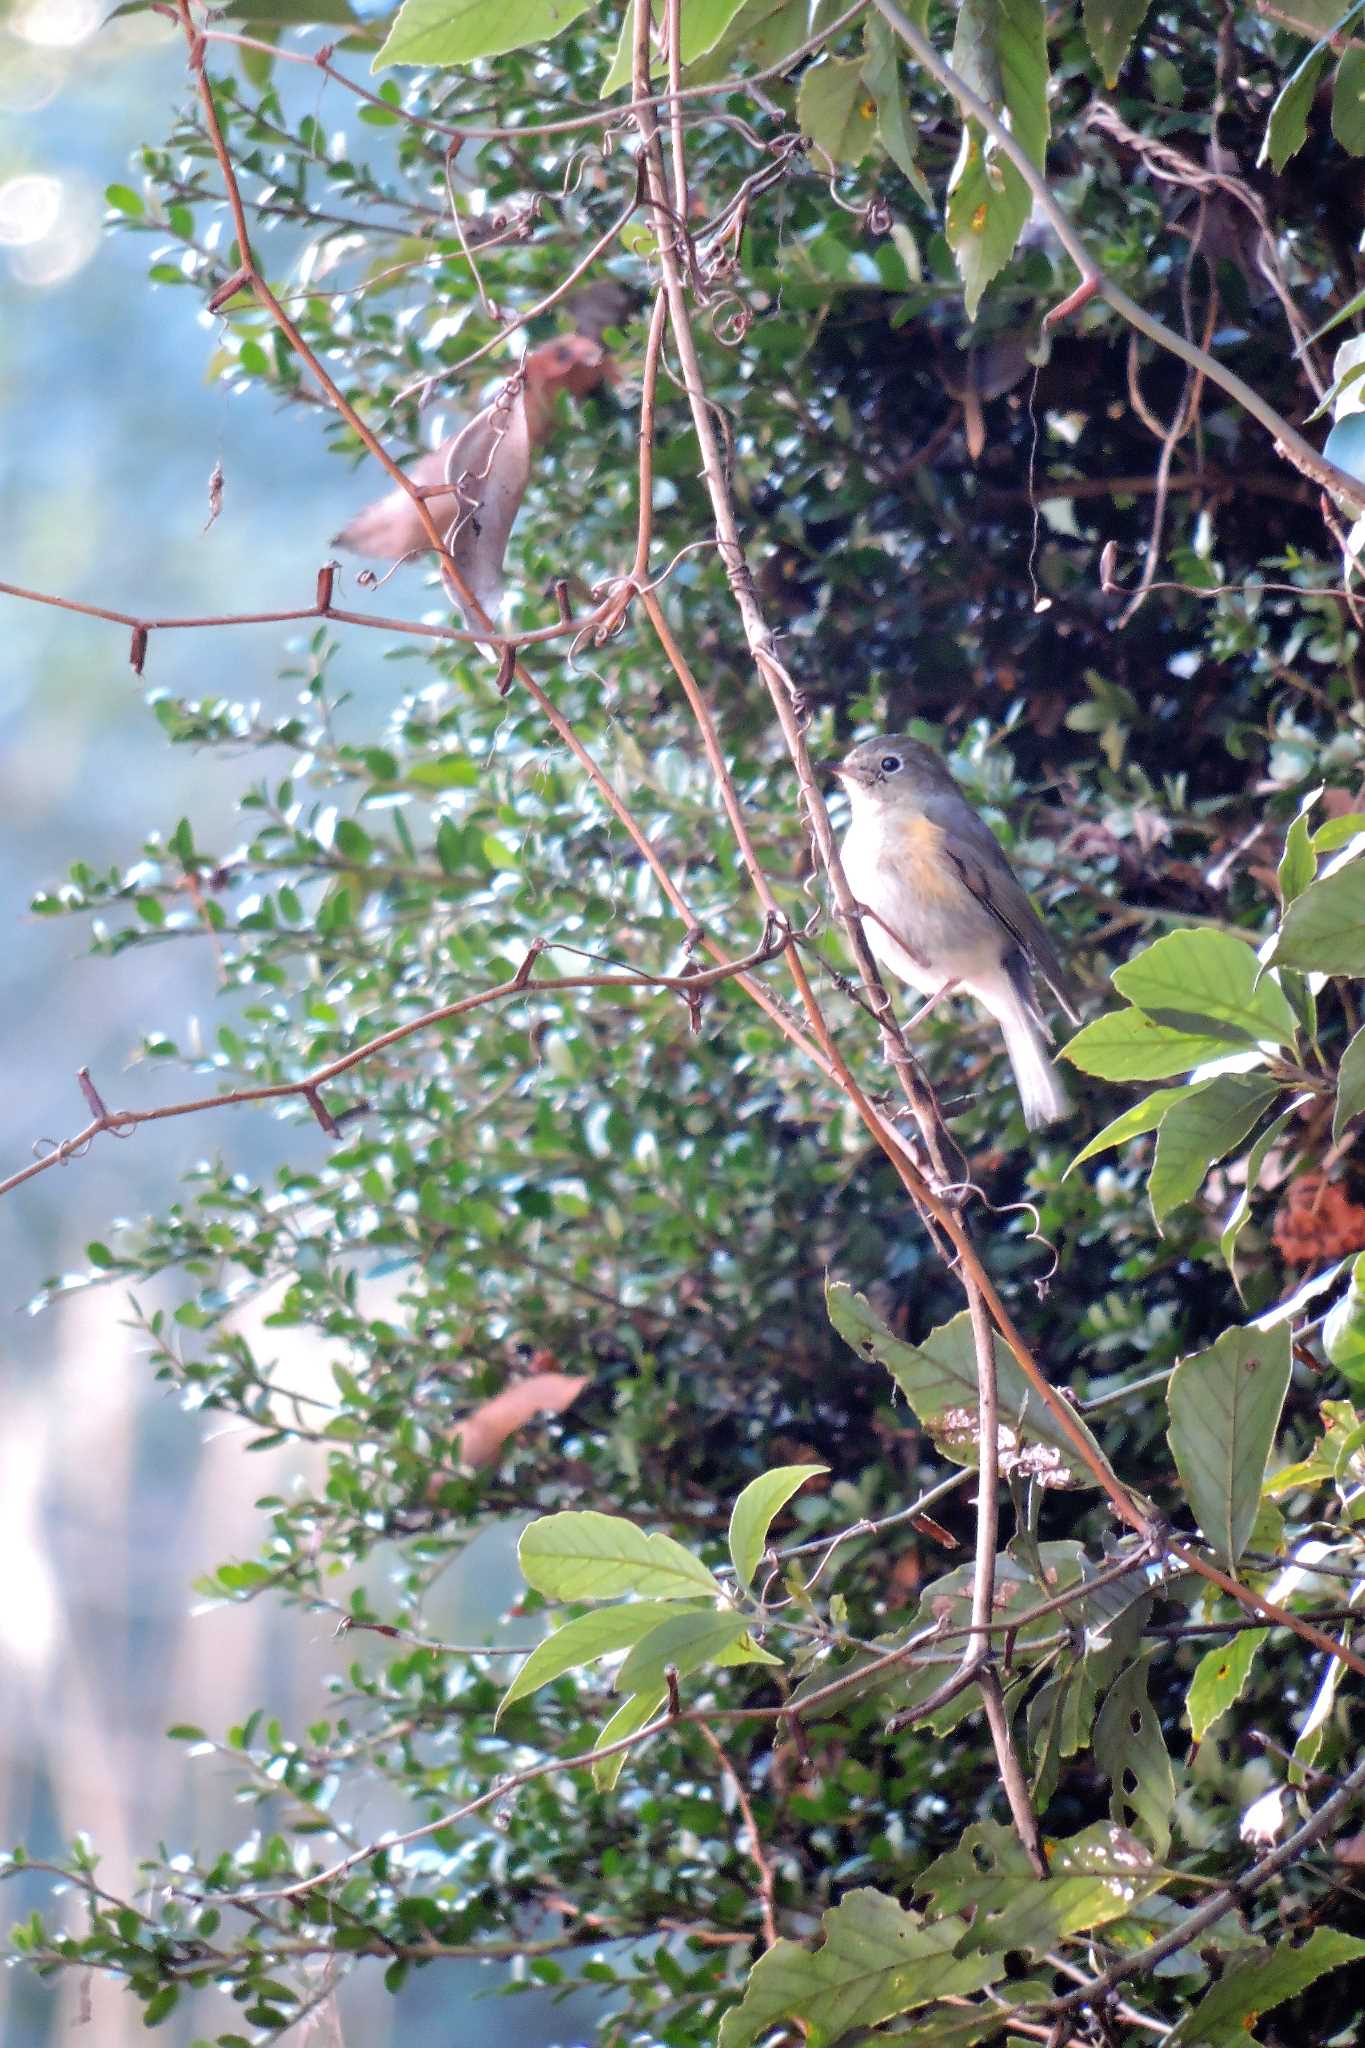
(1350, 1085)
(835, 109)
(1343, 1329)
(1201, 1130)
(583, 1555)
(1220, 1679)
(1143, 1116)
(753, 1513)
(938, 1379)
(687, 1640)
(582, 1641)
(1323, 930)
(1110, 26)
(1225, 1407)
(1094, 1877)
(882, 76)
(1202, 980)
(1287, 129)
(458, 31)
(703, 24)
(631, 1715)
(876, 1960)
(1348, 102)
(1256, 1158)
(1130, 1751)
(1000, 49)
(1299, 861)
(1225, 2015)
(1129, 1046)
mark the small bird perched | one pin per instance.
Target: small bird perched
(942, 907)
(486, 466)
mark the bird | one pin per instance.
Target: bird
(391, 528)
(944, 910)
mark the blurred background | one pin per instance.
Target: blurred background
(112, 1500)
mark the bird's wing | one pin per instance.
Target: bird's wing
(975, 852)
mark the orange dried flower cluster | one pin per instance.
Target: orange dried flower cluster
(1318, 1220)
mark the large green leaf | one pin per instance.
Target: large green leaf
(1207, 982)
(632, 1714)
(1225, 1407)
(1225, 2015)
(753, 1512)
(1110, 26)
(1287, 129)
(1199, 1131)
(938, 1379)
(583, 1555)
(1220, 1679)
(584, 1640)
(836, 110)
(1144, 1116)
(458, 31)
(1128, 1045)
(1324, 929)
(876, 1960)
(1094, 1877)
(1343, 1328)
(882, 75)
(1000, 50)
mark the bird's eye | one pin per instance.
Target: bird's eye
(890, 763)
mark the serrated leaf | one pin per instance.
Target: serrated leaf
(583, 1555)
(631, 1715)
(1225, 1408)
(1205, 981)
(1142, 1117)
(583, 1641)
(687, 1640)
(875, 1960)
(1000, 49)
(1220, 1679)
(1130, 1751)
(752, 1515)
(882, 76)
(1127, 1045)
(1110, 26)
(835, 109)
(458, 31)
(938, 1379)
(1201, 1130)
(1094, 1877)
(1225, 2015)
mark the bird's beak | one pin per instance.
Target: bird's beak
(829, 768)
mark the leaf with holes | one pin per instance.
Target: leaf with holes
(1094, 1877)
(1225, 1407)
(1130, 1751)
(875, 1960)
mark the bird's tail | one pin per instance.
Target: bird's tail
(1041, 1088)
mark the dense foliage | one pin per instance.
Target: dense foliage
(622, 1263)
